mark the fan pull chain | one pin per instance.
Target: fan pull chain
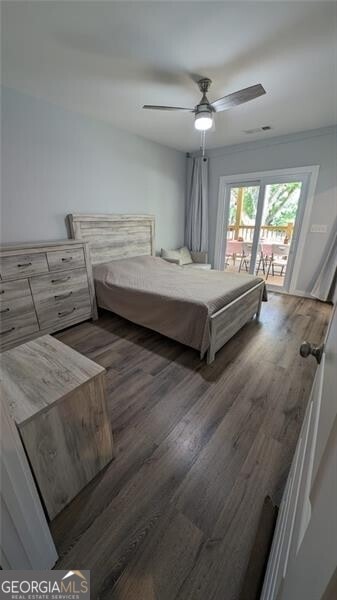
(203, 143)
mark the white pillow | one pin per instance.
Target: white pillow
(185, 256)
(171, 254)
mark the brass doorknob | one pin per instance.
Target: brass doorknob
(306, 349)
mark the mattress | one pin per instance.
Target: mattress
(169, 299)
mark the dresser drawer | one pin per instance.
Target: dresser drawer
(23, 265)
(65, 312)
(47, 287)
(17, 313)
(14, 290)
(65, 259)
(60, 298)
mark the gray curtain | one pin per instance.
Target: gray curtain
(326, 282)
(196, 226)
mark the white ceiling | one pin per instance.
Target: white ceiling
(107, 59)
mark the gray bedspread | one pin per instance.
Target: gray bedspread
(174, 301)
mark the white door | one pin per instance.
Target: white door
(303, 560)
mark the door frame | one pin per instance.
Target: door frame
(309, 497)
(26, 542)
(226, 181)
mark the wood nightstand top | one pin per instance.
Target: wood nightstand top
(41, 372)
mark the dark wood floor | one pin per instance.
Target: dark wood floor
(198, 448)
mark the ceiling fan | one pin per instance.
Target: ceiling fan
(204, 111)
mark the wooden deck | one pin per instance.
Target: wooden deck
(198, 448)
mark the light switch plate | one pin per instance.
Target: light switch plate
(319, 228)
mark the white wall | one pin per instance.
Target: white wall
(317, 147)
(55, 162)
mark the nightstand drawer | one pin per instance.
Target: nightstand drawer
(17, 313)
(61, 297)
(23, 265)
(65, 259)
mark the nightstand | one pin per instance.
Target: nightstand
(56, 396)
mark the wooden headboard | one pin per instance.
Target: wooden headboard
(114, 236)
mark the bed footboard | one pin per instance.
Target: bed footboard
(228, 320)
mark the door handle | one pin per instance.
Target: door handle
(306, 349)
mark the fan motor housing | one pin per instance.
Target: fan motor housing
(204, 108)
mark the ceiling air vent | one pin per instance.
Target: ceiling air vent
(257, 129)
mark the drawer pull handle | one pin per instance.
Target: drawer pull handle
(7, 331)
(25, 264)
(62, 296)
(67, 259)
(66, 312)
(2, 291)
(61, 280)
(4, 310)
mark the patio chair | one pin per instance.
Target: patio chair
(279, 258)
(246, 255)
(262, 260)
(232, 252)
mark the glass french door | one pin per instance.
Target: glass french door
(241, 223)
(262, 222)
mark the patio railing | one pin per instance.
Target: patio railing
(276, 233)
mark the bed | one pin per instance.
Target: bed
(201, 309)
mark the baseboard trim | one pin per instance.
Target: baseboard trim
(300, 293)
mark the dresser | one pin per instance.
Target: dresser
(44, 287)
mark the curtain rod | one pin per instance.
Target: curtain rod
(196, 155)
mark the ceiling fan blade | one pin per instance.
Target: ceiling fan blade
(239, 97)
(154, 107)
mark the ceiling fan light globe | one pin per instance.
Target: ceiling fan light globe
(203, 122)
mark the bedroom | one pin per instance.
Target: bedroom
(191, 373)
